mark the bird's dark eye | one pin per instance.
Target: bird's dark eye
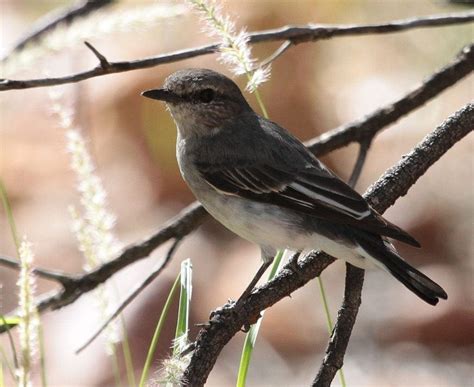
(206, 95)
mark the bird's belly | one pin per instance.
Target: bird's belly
(267, 225)
(251, 220)
(270, 226)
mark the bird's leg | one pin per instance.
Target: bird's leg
(255, 279)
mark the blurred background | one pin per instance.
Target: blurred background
(314, 87)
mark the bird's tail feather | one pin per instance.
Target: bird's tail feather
(428, 290)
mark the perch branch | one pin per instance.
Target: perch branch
(383, 194)
(295, 34)
(226, 321)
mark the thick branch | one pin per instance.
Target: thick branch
(56, 17)
(227, 321)
(352, 295)
(295, 34)
(342, 331)
(383, 194)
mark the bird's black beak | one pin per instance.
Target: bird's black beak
(162, 95)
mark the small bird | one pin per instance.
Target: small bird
(263, 184)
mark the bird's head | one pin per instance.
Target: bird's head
(200, 100)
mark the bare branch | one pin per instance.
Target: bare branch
(349, 309)
(382, 194)
(159, 267)
(56, 17)
(362, 156)
(184, 223)
(52, 275)
(313, 32)
(226, 322)
(368, 126)
(276, 54)
(342, 331)
(295, 34)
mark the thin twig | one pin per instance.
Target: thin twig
(313, 32)
(276, 54)
(361, 157)
(104, 63)
(227, 321)
(53, 19)
(159, 267)
(296, 34)
(52, 275)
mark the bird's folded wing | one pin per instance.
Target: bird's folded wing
(310, 190)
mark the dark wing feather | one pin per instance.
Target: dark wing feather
(312, 190)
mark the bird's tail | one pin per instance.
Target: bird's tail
(387, 258)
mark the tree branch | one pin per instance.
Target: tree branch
(383, 194)
(368, 126)
(52, 275)
(178, 227)
(226, 321)
(361, 157)
(53, 19)
(349, 309)
(341, 334)
(295, 34)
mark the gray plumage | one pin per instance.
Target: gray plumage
(263, 184)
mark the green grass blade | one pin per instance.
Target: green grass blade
(127, 354)
(252, 334)
(44, 382)
(2, 377)
(7, 363)
(329, 322)
(182, 324)
(115, 365)
(8, 322)
(10, 339)
(156, 335)
(11, 220)
(125, 346)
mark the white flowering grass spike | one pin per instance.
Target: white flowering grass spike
(29, 320)
(234, 49)
(93, 223)
(172, 368)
